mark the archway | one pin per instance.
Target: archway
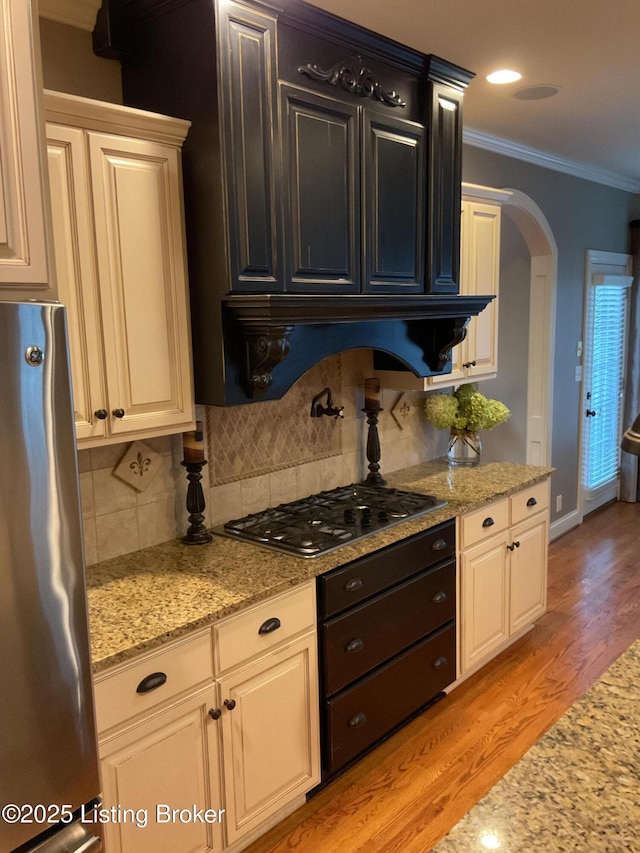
(533, 225)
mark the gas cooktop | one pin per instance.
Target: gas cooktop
(321, 523)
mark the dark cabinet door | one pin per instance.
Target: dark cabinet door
(248, 77)
(394, 204)
(444, 182)
(320, 155)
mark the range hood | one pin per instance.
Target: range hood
(322, 178)
(418, 331)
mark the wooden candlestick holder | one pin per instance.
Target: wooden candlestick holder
(197, 534)
(373, 478)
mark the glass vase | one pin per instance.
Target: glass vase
(465, 447)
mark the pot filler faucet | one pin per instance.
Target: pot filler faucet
(318, 410)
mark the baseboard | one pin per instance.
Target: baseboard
(564, 525)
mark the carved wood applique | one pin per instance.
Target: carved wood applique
(265, 348)
(355, 77)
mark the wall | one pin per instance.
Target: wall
(582, 215)
(118, 519)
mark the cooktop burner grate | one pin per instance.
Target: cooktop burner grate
(321, 523)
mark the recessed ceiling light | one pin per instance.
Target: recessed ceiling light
(536, 93)
(504, 76)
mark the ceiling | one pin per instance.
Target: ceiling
(591, 50)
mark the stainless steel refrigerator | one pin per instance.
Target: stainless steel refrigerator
(48, 754)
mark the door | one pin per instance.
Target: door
(270, 735)
(167, 763)
(528, 573)
(608, 278)
(320, 140)
(394, 204)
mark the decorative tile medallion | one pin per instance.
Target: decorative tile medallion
(258, 438)
(139, 466)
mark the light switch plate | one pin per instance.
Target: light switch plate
(139, 466)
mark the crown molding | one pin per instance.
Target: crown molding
(74, 13)
(478, 139)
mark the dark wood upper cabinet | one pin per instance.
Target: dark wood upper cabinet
(322, 159)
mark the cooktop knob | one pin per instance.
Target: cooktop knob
(350, 516)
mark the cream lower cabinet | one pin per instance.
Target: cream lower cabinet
(503, 573)
(237, 752)
(116, 203)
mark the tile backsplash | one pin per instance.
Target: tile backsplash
(259, 455)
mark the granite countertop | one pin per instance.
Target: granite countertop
(140, 600)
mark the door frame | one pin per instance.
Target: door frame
(594, 259)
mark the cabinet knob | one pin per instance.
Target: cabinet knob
(517, 544)
(229, 704)
(357, 720)
(510, 547)
(215, 713)
(101, 414)
(118, 413)
(469, 364)
(354, 645)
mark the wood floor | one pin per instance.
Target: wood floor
(410, 791)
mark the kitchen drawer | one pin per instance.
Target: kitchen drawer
(484, 522)
(375, 631)
(529, 501)
(170, 671)
(367, 576)
(358, 717)
(260, 628)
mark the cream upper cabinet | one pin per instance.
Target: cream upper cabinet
(24, 272)
(115, 175)
(503, 573)
(476, 357)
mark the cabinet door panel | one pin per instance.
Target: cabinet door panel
(172, 761)
(137, 229)
(75, 271)
(23, 250)
(444, 180)
(394, 203)
(485, 600)
(320, 144)
(481, 276)
(248, 74)
(270, 738)
(529, 573)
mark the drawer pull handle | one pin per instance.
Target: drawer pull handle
(439, 597)
(354, 645)
(151, 682)
(229, 704)
(440, 662)
(357, 721)
(532, 502)
(353, 584)
(215, 713)
(488, 522)
(439, 545)
(269, 626)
